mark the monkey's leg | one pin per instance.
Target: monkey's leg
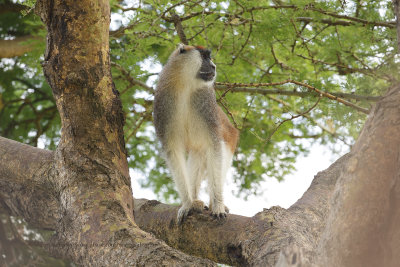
(216, 181)
(177, 165)
(227, 156)
(197, 167)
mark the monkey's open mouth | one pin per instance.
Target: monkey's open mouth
(207, 72)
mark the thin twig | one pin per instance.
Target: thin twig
(229, 113)
(330, 96)
(293, 117)
(307, 116)
(142, 119)
(247, 113)
(131, 80)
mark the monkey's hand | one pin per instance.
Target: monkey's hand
(219, 211)
(197, 206)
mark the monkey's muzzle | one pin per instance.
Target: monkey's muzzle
(207, 75)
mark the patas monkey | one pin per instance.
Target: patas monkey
(197, 138)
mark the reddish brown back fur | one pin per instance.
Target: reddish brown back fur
(229, 133)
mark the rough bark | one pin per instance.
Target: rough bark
(363, 227)
(26, 183)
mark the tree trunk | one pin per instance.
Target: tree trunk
(348, 217)
(363, 227)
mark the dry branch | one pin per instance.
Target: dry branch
(312, 88)
(277, 91)
(389, 24)
(179, 28)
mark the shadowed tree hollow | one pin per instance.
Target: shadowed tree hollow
(79, 191)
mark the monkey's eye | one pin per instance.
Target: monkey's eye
(206, 54)
(182, 50)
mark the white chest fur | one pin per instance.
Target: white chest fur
(190, 129)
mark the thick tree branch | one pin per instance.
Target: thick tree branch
(16, 47)
(200, 234)
(9, 6)
(326, 21)
(26, 183)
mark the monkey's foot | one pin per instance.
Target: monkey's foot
(197, 206)
(226, 209)
(183, 212)
(219, 211)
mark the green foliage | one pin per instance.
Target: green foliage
(335, 46)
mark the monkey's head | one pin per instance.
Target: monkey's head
(192, 62)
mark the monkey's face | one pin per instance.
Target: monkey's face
(207, 70)
(198, 62)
